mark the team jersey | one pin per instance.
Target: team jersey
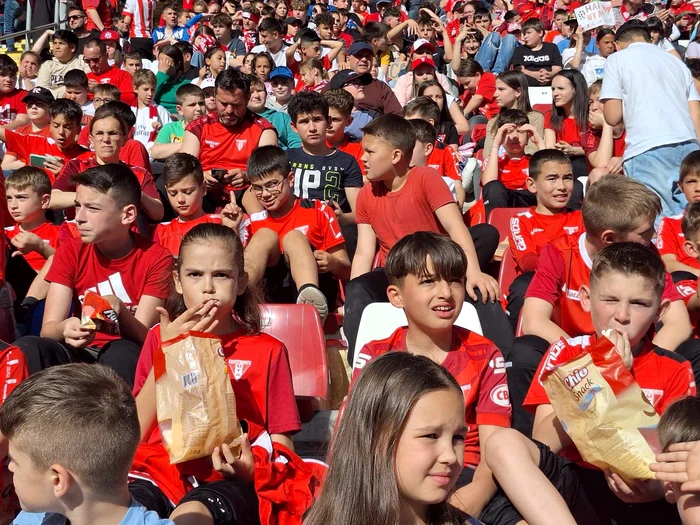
(663, 377)
(478, 367)
(64, 181)
(670, 240)
(141, 13)
(170, 234)
(445, 162)
(513, 173)
(324, 178)
(226, 147)
(145, 270)
(591, 143)
(563, 267)
(120, 78)
(26, 145)
(688, 288)
(11, 105)
(29, 130)
(530, 231)
(313, 218)
(47, 232)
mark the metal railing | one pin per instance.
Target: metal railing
(29, 29)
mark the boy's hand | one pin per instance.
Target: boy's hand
(596, 119)
(615, 165)
(26, 242)
(232, 215)
(324, 261)
(156, 125)
(532, 133)
(681, 464)
(92, 84)
(565, 148)
(75, 335)
(486, 284)
(622, 346)
(411, 27)
(54, 164)
(235, 177)
(116, 303)
(230, 467)
(502, 132)
(200, 318)
(639, 492)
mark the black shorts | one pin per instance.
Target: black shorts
(279, 287)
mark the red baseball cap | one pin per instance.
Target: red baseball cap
(109, 34)
(422, 60)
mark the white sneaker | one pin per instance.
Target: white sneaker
(313, 296)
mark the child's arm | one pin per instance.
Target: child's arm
(474, 102)
(39, 288)
(95, 17)
(461, 194)
(601, 157)
(146, 406)
(41, 41)
(457, 49)
(575, 62)
(336, 47)
(681, 464)
(412, 26)
(673, 265)
(190, 144)
(289, 53)
(450, 218)
(27, 242)
(61, 200)
(57, 325)
(537, 320)
(460, 122)
(490, 173)
(676, 327)
(550, 138)
(134, 327)
(161, 151)
(11, 163)
(335, 261)
(152, 207)
(534, 136)
(365, 251)
(548, 430)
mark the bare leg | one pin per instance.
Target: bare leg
(192, 513)
(263, 250)
(302, 264)
(514, 461)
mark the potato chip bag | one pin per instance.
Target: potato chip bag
(602, 409)
(97, 314)
(196, 406)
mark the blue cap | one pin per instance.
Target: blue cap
(281, 71)
(356, 47)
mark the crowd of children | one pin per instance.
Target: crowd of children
(189, 162)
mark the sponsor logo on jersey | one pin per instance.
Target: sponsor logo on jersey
(112, 286)
(500, 396)
(498, 365)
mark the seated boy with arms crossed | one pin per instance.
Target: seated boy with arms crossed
(625, 297)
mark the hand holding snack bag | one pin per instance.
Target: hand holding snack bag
(98, 314)
(196, 406)
(602, 408)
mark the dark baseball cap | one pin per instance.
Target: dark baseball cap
(39, 93)
(356, 47)
(344, 77)
(294, 21)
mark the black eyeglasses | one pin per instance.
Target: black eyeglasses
(273, 188)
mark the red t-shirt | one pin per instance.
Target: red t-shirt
(411, 208)
(27, 130)
(445, 162)
(661, 375)
(227, 147)
(569, 131)
(487, 89)
(353, 148)
(170, 234)
(117, 77)
(26, 145)
(530, 231)
(688, 289)
(477, 365)
(564, 266)
(670, 240)
(311, 217)
(11, 105)
(145, 270)
(103, 9)
(591, 142)
(64, 182)
(513, 172)
(47, 232)
(132, 153)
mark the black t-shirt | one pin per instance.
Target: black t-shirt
(446, 135)
(324, 178)
(544, 58)
(81, 41)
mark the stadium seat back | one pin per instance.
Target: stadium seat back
(507, 273)
(500, 218)
(380, 320)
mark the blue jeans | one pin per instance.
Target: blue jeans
(12, 12)
(495, 52)
(658, 169)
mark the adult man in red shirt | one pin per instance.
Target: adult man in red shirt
(224, 140)
(95, 56)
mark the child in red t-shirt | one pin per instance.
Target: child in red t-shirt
(479, 93)
(687, 282)
(13, 112)
(474, 361)
(37, 101)
(504, 179)
(678, 252)
(625, 297)
(398, 201)
(184, 184)
(217, 298)
(340, 107)
(296, 243)
(603, 144)
(131, 272)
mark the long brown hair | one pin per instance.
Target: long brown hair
(361, 485)
(247, 308)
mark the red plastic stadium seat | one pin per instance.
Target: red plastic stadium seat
(506, 274)
(500, 219)
(542, 108)
(298, 326)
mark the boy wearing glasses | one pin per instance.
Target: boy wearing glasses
(296, 243)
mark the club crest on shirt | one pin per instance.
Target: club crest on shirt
(240, 144)
(238, 367)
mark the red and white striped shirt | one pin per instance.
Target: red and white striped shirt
(141, 13)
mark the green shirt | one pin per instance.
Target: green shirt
(166, 88)
(171, 132)
(287, 138)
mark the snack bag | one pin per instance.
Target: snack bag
(196, 406)
(602, 408)
(97, 314)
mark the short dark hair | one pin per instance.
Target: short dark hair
(187, 90)
(118, 110)
(410, 256)
(394, 130)
(81, 416)
(29, 177)
(109, 90)
(233, 80)
(510, 15)
(533, 23)
(424, 130)
(680, 422)
(185, 48)
(96, 42)
(69, 37)
(221, 19)
(374, 30)
(631, 259)
(423, 107)
(180, 166)
(469, 68)
(75, 78)
(69, 109)
(306, 103)
(267, 160)
(690, 224)
(633, 29)
(511, 116)
(8, 67)
(116, 180)
(308, 36)
(339, 99)
(133, 55)
(270, 25)
(391, 11)
(325, 19)
(540, 158)
(694, 66)
(690, 165)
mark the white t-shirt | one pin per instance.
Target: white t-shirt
(651, 121)
(280, 58)
(593, 68)
(145, 118)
